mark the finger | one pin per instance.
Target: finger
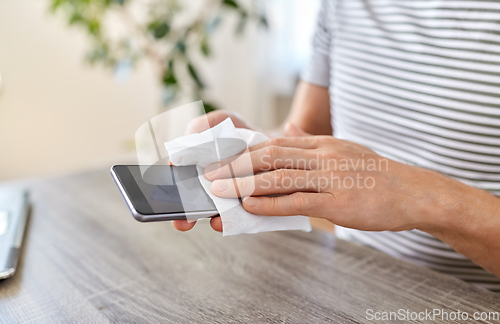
(266, 159)
(204, 122)
(216, 223)
(297, 142)
(292, 130)
(299, 203)
(281, 181)
(183, 225)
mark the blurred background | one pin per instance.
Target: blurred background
(72, 96)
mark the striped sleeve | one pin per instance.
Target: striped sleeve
(317, 70)
(418, 82)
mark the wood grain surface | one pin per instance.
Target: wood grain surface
(86, 260)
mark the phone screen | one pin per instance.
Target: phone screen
(164, 189)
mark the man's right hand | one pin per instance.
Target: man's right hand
(199, 125)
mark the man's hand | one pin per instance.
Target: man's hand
(324, 177)
(214, 118)
(199, 125)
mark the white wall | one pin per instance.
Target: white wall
(58, 115)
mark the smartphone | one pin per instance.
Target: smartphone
(163, 192)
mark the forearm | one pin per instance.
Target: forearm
(467, 219)
(311, 109)
(310, 112)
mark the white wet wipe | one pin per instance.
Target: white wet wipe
(216, 144)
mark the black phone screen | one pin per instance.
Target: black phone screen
(164, 189)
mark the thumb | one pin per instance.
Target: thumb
(292, 130)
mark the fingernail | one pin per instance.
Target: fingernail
(250, 201)
(220, 185)
(210, 172)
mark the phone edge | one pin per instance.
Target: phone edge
(158, 217)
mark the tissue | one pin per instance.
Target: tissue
(214, 145)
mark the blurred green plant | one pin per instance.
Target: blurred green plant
(156, 30)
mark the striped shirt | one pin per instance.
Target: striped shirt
(418, 81)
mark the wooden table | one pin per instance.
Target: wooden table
(86, 260)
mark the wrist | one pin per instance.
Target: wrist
(452, 208)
